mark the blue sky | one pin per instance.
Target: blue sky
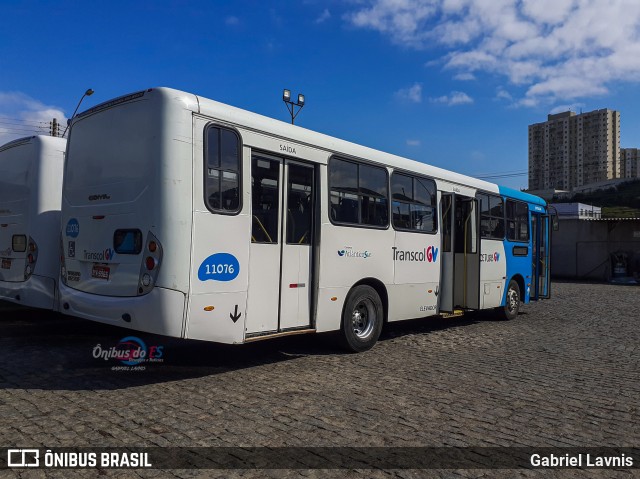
(453, 83)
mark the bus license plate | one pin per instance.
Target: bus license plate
(100, 272)
(6, 264)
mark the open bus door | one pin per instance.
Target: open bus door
(541, 255)
(460, 283)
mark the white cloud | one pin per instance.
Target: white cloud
(414, 142)
(464, 76)
(21, 115)
(324, 16)
(554, 50)
(411, 94)
(455, 98)
(562, 108)
(503, 94)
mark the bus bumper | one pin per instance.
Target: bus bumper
(159, 312)
(36, 292)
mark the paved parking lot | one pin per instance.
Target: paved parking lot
(566, 372)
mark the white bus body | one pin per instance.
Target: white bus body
(204, 259)
(30, 191)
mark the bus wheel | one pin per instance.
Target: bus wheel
(512, 304)
(362, 319)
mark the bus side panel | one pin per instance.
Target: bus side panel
(219, 278)
(349, 255)
(416, 259)
(219, 258)
(493, 272)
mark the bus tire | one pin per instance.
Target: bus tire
(362, 319)
(512, 302)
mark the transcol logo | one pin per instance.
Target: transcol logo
(106, 255)
(429, 254)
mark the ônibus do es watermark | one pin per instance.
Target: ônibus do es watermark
(131, 352)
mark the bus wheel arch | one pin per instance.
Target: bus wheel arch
(363, 315)
(513, 298)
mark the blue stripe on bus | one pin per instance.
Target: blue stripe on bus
(520, 265)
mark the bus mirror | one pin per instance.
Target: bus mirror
(555, 223)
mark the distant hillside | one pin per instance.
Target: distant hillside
(622, 201)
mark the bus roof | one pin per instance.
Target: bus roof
(522, 196)
(253, 121)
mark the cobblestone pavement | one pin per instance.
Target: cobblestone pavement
(566, 372)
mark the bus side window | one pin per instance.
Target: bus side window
(414, 203)
(517, 221)
(491, 216)
(359, 193)
(222, 170)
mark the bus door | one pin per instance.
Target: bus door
(461, 258)
(448, 257)
(540, 247)
(280, 257)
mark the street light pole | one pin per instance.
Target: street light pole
(89, 92)
(291, 106)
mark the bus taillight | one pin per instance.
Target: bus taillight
(32, 257)
(150, 265)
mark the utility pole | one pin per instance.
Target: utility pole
(54, 127)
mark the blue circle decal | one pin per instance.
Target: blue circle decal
(73, 228)
(219, 267)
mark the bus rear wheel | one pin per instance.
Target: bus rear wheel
(512, 303)
(362, 319)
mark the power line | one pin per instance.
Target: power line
(23, 130)
(506, 174)
(19, 120)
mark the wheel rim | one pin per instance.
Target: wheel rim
(363, 318)
(512, 300)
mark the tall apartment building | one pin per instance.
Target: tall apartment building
(570, 150)
(630, 159)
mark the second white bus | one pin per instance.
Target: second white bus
(30, 191)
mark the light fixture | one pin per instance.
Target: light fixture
(291, 106)
(89, 92)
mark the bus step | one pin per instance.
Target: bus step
(456, 313)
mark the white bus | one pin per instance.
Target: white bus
(30, 191)
(186, 217)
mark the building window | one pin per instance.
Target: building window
(491, 216)
(359, 193)
(414, 203)
(222, 170)
(517, 221)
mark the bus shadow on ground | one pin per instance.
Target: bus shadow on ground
(51, 351)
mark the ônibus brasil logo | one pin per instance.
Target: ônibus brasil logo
(428, 254)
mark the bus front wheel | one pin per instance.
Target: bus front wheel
(362, 319)
(512, 304)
